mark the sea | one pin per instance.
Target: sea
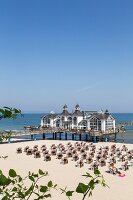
(35, 118)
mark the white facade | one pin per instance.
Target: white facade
(85, 120)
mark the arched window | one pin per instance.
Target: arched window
(69, 118)
(62, 118)
(58, 123)
(75, 120)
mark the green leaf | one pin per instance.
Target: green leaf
(21, 195)
(5, 198)
(41, 172)
(92, 184)
(47, 195)
(88, 175)
(29, 190)
(32, 178)
(97, 172)
(12, 173)
(2, 111)
(13, 115)
(50, 184)
(3, 180)
(20, 179)
(43, 189)
(82, 188)
(14, 189)
(69, 193)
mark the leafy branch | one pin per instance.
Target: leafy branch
(13, 186)
(87, 189)
(7, 112)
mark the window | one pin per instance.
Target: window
(109, 124)
(95, 124)
(69, 119)
(63, 118)
(75, 120)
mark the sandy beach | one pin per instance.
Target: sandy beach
(120, 188)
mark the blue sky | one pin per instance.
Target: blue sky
(54, 52)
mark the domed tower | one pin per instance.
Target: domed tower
(65, 107)
(65, 111)
(77, 107)
(77, 111)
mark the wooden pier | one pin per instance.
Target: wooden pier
(75, 135)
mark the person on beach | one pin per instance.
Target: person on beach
(113, 169)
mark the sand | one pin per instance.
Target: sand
(66, 175)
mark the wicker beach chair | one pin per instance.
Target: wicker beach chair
(94, 166)
(34, 150)
(19, 150)
(78, 148)
(26, 148)
(53, 152)
(37, 154)
(89, 160)
(69, 154)
(125, 166)
(64, 160)
(29, 152)
(44, 149)
(59, 155)
(75, 157)
(35, 146)
(47, 157)
(80, 163)
(102, 162)
(82, 150)
(84, 156)
(45, 152)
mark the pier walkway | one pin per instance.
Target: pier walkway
(64, 134)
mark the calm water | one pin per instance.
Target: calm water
(34, 119)
(20, 122)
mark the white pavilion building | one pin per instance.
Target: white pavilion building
(82, 120)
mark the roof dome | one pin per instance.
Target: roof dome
(65, 107)
(77, 107)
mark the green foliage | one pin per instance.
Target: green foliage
(7, 112)
(87, 189)
(4, 136)
(14, 186)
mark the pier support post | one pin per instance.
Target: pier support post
(66, 136)
(80, 136)
(43, 136)
(94, 139)
(31, 136)
(115, 137)
(72, 136)
(53, 135)
(86, 137)
(34, 137)
(106, 139)
(60, 135)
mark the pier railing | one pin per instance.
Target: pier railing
(75, 131)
